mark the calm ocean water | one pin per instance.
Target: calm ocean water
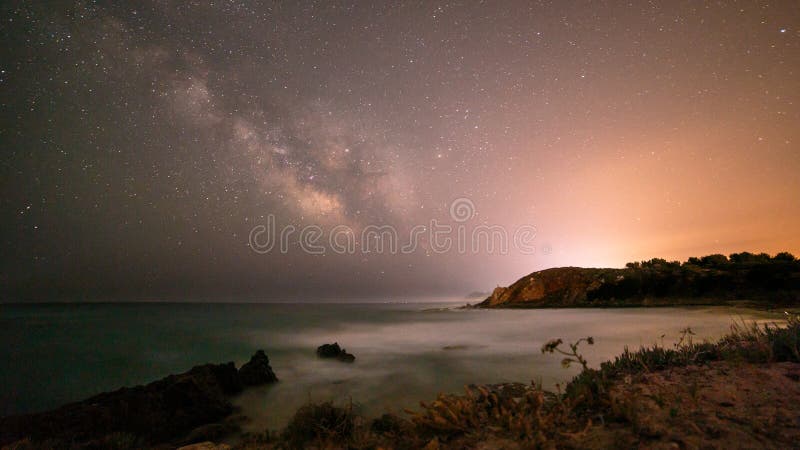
(53, 354)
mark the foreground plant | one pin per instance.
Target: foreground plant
(323, 424)
(530, 417)
(572, 356)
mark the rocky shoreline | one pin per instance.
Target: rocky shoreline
(177, 409)
(186, 410)
(741, 391)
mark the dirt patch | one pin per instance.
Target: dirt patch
(722, 405)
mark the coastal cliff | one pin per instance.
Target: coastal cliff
(757, 280)
(563, 286)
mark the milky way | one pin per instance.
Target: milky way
(143, 142)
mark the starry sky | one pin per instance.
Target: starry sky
(142, 142)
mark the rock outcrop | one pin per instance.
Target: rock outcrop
(563, 286)
(162, 411)
(707, 281)
(257, 371)
(334, 351)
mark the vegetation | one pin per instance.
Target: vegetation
(526, 416)
(639, 396)
(743, 279)
(756, 277)
(572, 355)
(656, 392)
(324, 424)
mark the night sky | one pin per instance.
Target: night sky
(142, 143)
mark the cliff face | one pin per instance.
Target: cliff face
(769, 283)
(563, 286)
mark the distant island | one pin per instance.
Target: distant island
(744, 279)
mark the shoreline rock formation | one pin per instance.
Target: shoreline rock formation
(257, 371)
(162, 411)
(333, 351)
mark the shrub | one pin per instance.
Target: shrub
(323, 424)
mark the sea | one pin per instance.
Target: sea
(406, 352)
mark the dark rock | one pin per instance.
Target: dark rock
(157, 411)
(257, 371)
(334, 351)
(225, 376)
(329, 350)
(160, 412)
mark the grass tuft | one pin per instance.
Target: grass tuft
(530, 416)
(323, 425)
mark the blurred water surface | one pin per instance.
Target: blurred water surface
(405, 352)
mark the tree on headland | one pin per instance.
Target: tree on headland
(784, 257)
(743, 275)
(750, 258)
(715, 260)
(655, 262)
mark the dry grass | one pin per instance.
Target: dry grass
(763, 343)
(480, 408)
(585, 414)
(320, 425)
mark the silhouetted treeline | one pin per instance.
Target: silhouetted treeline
(745, 276)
